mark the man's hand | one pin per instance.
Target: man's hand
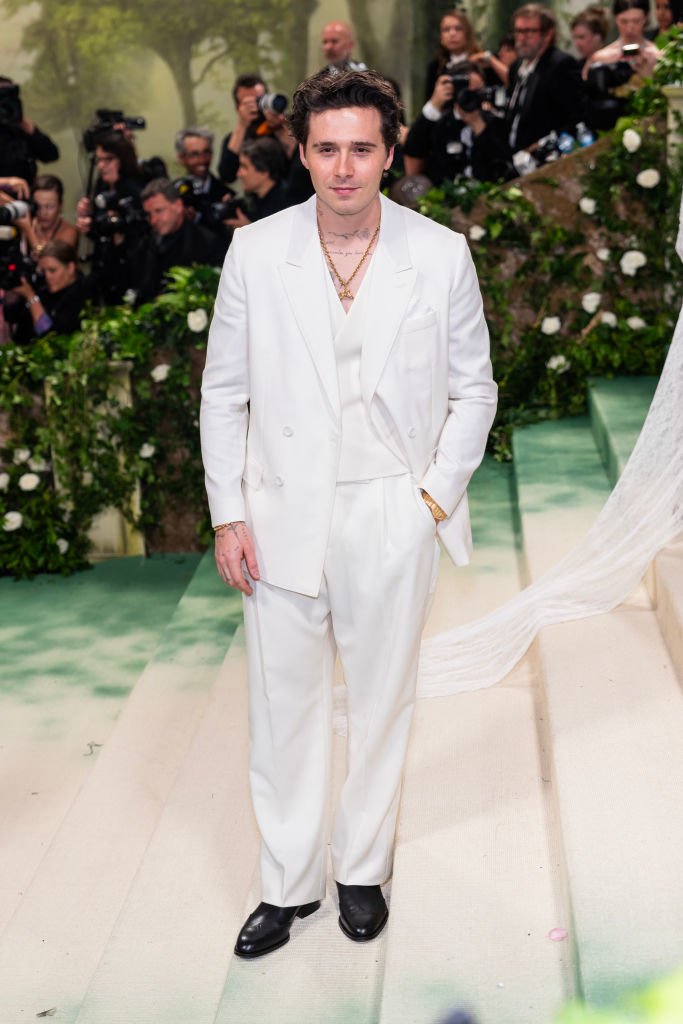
(18, 186)
(234, 544)
(443, 92)
(238, 221)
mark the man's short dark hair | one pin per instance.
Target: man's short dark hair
(325, 91)
(160, 187)
(545, 16)
(267, 156)
(247, 81)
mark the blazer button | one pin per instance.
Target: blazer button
(287, 431)
(279, 481)
(412, 432)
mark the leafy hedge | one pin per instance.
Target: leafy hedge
(565, 301)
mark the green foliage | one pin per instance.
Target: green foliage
(78, 446)
(658, 1003)
(561, 303)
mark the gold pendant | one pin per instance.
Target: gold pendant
(345, 293)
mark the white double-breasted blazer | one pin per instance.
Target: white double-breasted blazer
(270, 417)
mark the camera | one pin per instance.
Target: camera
(106, 119)
(13, 264)
(15, 211)
(460, 82)
(272, 103)
(470, 100)
(211, 214)
(11, 110)
(602, 79)
(114, 214)
(227, 210)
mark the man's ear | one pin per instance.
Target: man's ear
(389, 159)
(303, 158)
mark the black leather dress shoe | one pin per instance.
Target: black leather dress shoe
(362, 911)
(268, 928)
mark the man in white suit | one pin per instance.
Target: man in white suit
(346, 402)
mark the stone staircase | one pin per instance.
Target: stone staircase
(550, 804)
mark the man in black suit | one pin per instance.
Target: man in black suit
(175, 241)
(545, 90)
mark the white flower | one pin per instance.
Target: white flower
(12, 521)
(21, 455)
(591, 301)
(4, 481)
(558, 363)
(130, 295)
(636, 323)
(587, 204)
(63, 545)
(631, 140)
(603, 254)
(648, 178)
(160, 372)
(147, 451)
(631, 261)
(37, 465)
(550, 324)
(29, 481)
(197, 320)
(609, 319)
(477, 232)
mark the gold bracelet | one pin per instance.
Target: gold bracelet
(435, 509)
(221, 527)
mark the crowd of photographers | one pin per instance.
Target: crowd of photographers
(488, 116)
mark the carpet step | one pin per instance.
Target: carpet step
(615, 712)
(478, 873)
(53, 943)
(73, 649)
(173, 940)
(561, 487)
(667, 577)
(617, 410)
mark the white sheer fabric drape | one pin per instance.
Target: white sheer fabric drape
(643, 513)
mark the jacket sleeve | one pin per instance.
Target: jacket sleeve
(224, 414)
(472, 393)
(42, 147)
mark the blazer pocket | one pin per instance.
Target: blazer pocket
(253, 473)
(418, 323)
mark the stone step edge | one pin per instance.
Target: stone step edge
(136, 768)
(210, 796)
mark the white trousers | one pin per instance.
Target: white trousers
(378, 580)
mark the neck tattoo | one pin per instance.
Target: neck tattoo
(345, 293)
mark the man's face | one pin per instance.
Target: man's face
(164, 216)
(252, 180)
(337, 42)
(346, 156)
(247, 96)
(530, 40)
(196, 156)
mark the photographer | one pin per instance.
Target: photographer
(114, 219)
(545, 91)
(194, 150)
(21, 142)
(47, 223)
(631, 46)
(54, 303)
(175, 241)
(261, 170)
(448, 141)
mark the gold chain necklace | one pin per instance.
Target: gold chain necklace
(345, 293)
